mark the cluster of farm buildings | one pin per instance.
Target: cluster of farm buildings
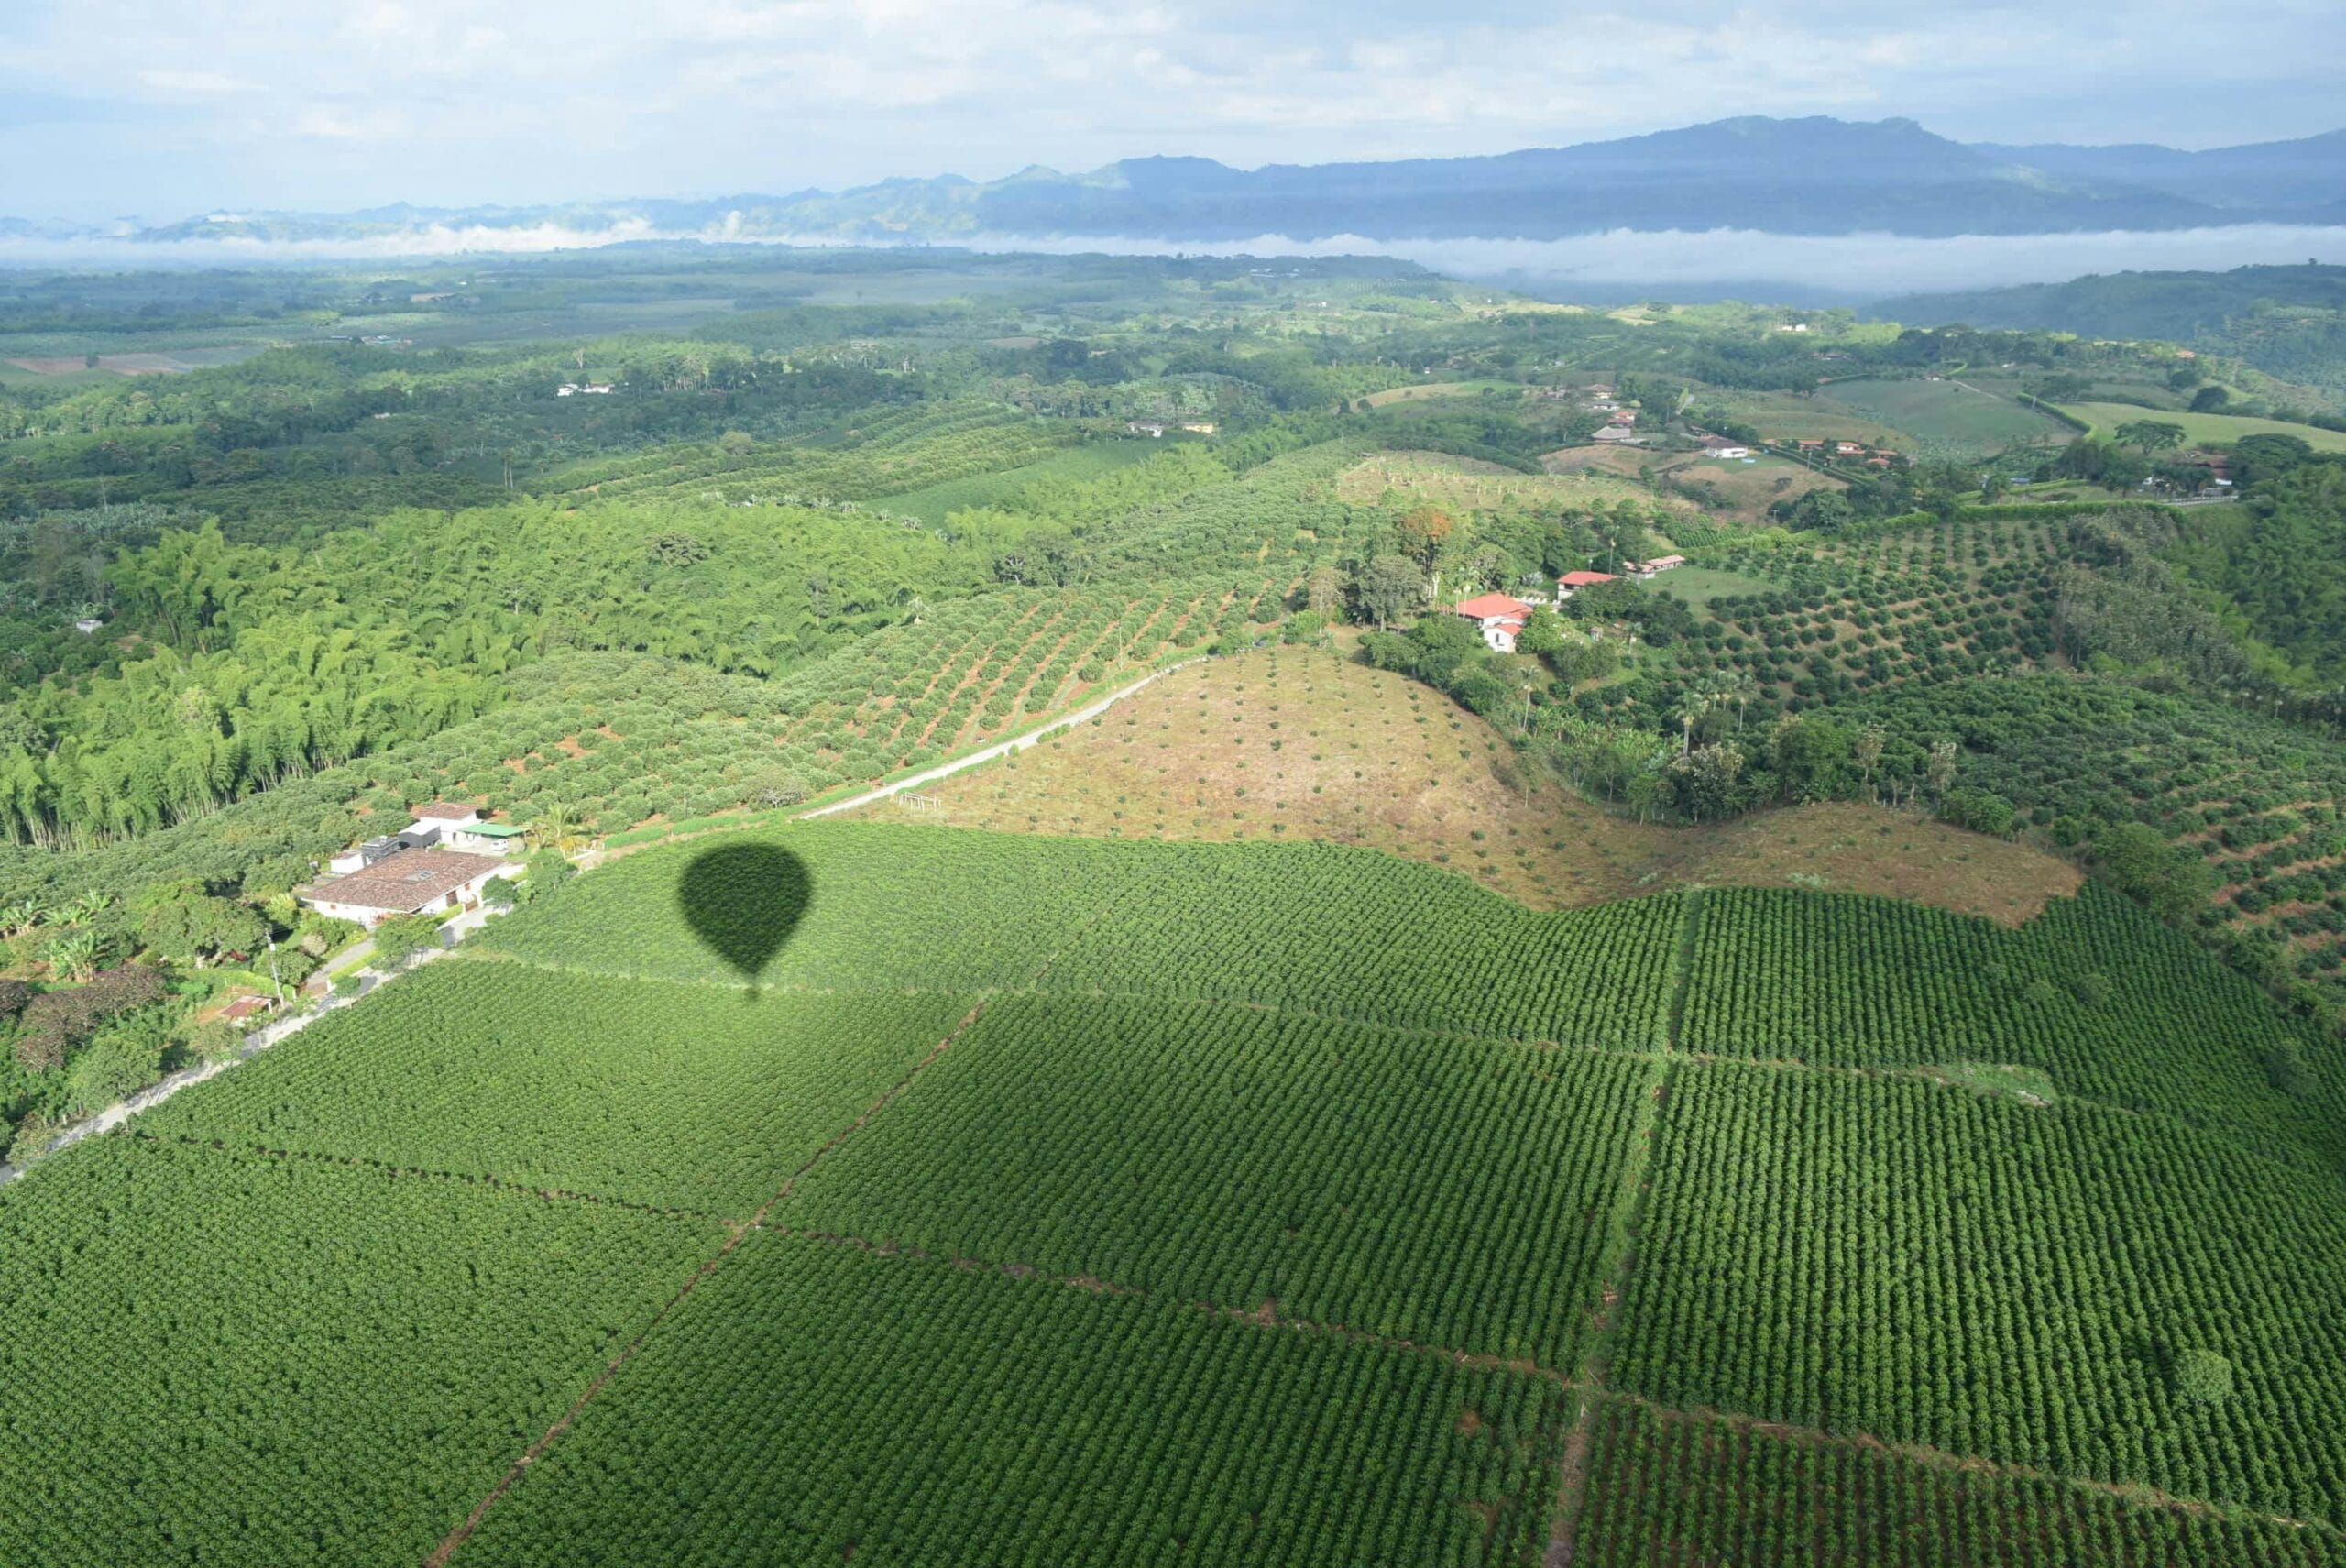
(1500, 617)
(441, 863)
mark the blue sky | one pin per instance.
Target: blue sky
(164, 108)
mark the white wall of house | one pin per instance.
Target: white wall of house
(445, 903)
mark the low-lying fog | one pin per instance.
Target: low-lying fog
(1623, 264)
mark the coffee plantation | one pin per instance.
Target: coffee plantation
(886, 1193)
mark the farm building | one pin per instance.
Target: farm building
(1619, 435)
(1849, 448)
(1721, 447)
(245, 1009)
(1658, 565)
(409, 882)
(1571, 582)
(438, 823)
(484, 837)
(1497, 615)
(1151, 428)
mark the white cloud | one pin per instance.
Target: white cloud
(549, 99)
(345, 124)
(196, 83)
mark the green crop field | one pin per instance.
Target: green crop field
(1776, 1288)
(2201, 429)
(1092, 461)
(1946, 417)
(904, 1194)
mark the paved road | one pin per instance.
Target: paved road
(1000, 749)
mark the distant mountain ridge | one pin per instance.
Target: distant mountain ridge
(1815, 176)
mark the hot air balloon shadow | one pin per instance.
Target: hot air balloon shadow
(744, 901)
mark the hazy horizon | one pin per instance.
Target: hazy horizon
(163, 109)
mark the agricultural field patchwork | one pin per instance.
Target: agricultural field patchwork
(906, 1413)
(1450, 1192)
(914, 1194)
(1923, 1263)
(1663, 1487)
(2257, 802)
(2088, 992)
(663, 1095)
(2205, 428)
(349, 1357)
(1434, 478)
(1947, 418)
(1927, 605)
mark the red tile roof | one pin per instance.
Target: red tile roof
(1582, 579)
(407, 881)
(1488, 607)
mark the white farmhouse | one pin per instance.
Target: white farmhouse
(410, 881)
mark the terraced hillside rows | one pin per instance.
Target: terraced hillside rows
(873, 1193)
(887, 451)
(2262, 803)
(1919, 606)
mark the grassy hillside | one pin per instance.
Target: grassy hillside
(2206, 429)
(1274, 1246)
(1948, 417)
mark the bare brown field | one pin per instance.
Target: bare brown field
(1470, 484)
(1751, 489)
(1298, 743)
(120, 364)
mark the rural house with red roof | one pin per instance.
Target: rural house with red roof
(1497, 615)
(1571, 582)
(408, 882)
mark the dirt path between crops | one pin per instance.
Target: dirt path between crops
(742, 1231)
(999, 748)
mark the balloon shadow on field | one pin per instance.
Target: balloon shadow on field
(743, 901)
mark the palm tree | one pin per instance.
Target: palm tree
(1742, 688)
(556, 829)
(1693, 705)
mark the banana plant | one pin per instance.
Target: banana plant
(77, 957)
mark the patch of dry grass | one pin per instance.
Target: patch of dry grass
(1295, 744)
(1469, 484)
